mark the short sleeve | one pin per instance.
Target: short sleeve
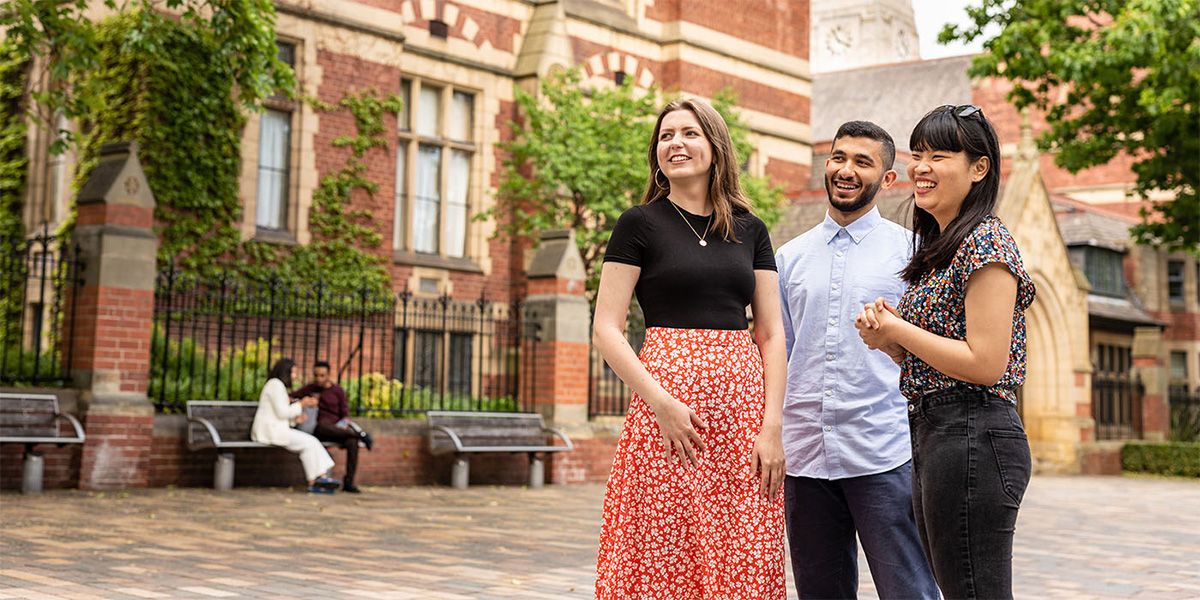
(627, 245)
(764, 255)
(989, 243)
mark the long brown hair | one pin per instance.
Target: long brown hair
(724, 187)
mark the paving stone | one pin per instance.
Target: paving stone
(1077, 537)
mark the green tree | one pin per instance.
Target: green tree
(578, 160)
(1111, 77)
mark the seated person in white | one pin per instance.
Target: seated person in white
(273, 421)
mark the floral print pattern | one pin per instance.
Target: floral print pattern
(703, 533)
(937, 304)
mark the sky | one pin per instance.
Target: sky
(931, 16)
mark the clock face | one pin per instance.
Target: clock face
(838, 39)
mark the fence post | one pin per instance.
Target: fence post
(114, 315)
(557, 304)
(1148, 366)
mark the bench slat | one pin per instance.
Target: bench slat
(31, 419)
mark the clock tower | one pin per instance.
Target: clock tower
(847, 34)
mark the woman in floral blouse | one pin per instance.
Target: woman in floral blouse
(959, 334)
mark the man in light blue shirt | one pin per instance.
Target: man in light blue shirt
(845, 425)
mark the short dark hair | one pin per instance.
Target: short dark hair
(321, 364)
(869, 130)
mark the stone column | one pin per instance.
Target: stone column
(556, 302)
(1149, 367)
(114, 316)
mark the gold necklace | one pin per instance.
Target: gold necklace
(689, 224)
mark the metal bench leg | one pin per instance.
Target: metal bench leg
(223, 472)
(537, 471)
(461, 474)
(31, 476)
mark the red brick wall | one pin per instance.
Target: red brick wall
(497, 29)
(400, 457)
(793, 176)
(117, 452)
(1181, 326)
(781, 26)
(120, 317)
(60, 466)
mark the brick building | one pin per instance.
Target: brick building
(457, 64)
(1109, 314)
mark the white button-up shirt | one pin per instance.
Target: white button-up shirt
(843, 415)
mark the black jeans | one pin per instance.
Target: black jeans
(328, 432)
(971, 465)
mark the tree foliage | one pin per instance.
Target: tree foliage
(578, 160)
(1111, 77)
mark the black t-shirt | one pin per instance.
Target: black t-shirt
(683, 284)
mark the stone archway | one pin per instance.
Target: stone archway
(1050, 392)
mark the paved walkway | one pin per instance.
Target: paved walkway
(1077, 538)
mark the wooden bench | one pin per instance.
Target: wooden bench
(33, 419)
(226, 427)
(466, 433)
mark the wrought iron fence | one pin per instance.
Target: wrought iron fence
(395, 355)
(1185, 413)
(39, 280)
(1117, 406)
(607, 393)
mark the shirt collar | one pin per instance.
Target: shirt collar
(857, 230)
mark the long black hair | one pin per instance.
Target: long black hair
(953, 129)
(283, 371)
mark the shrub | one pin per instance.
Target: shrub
(1181, 459)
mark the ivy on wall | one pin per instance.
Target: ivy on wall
(340, 253)
(162, 83)
(13, 158)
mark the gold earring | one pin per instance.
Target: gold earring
(659, 185)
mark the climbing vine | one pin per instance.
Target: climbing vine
(162, 83)
(13, 158)
(341, 252)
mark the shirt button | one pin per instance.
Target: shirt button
(833, 321)
(912, 407)
(829, 357)
(828, 392)
(835, 286)
(829, 428)
(839, 254)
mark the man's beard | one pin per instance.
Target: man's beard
(865, 196)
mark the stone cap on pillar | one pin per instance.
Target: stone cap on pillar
(557, 256)
(118, 179)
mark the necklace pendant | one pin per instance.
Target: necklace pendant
(703, 243)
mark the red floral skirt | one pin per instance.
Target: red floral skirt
(678, 533)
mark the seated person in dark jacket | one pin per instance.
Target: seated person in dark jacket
(333, 412)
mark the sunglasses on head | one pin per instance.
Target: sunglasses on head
(963, 110)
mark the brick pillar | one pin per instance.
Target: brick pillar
(556, 302)
(1148, 366)
(114, 315)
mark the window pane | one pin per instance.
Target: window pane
(461, 116)
(429, 111)
(1179, 366)
(428, 199)
(273, 149)
(406, 96)
(1175, 280)
(457, 184)
(427, 354)
(401, 195)
(460, 364)
(286, 53)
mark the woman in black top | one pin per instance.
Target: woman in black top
(692, 508)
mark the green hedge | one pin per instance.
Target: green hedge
(1181, 459)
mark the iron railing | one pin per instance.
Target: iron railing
(395, 354)
(39, 282)
(1185, 413)
(608, 396)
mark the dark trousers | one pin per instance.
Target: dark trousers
(823, 517)
(328, 432)
(971, 465)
